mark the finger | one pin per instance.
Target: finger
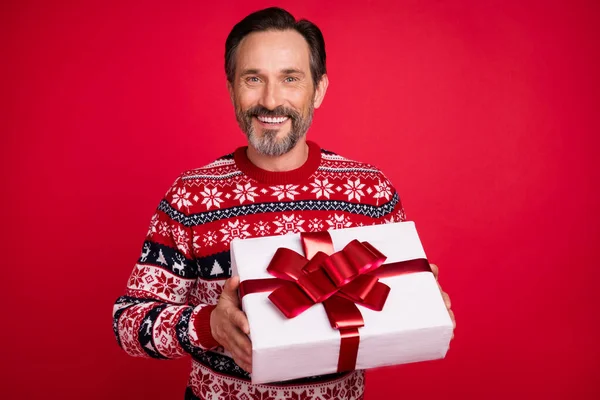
(242, 343)
(239, 319)
(453, 319)
(237, 339)
(238, 344)
(447, 301)
(230, 289)
(241, 359)
(245, 366)
(435, 270)
(231, 284)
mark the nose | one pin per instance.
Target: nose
(271, 96)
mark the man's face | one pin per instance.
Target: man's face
(273, 91)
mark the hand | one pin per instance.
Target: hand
(229, 325)
(436, 272)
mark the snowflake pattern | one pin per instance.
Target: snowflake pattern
(228, 391)
(315, 225)
(196, 243)
(234, 230)
(154, 222)
(288, 224)
(203, 384)
(352, 389)
(210, 238)
(285, 191)
(167, 324)
(164, 333)
(163, 229)
(389, 220)
(181, 239)
(137, 277)
(401, 215)
(212, 197)
(165, 285)
(258, 395)
(382, 190)
(181, 198)
(322, 188)
(207, 292)
(245, 192)
(339, 221)
(331, 393)
(354, 189)
(262, 228)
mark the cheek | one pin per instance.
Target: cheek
(245, 99)
(300, 100)
(301, 96)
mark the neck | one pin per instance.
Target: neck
(291, 160)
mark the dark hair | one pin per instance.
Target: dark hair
(277, 19)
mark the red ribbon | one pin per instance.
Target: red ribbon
(337, 280)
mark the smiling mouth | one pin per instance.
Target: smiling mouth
(272, 121)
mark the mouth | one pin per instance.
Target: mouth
(271, 122)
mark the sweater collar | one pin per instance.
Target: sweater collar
(297, 175)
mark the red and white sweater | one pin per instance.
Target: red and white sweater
(185, 261)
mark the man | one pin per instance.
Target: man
(179, 299)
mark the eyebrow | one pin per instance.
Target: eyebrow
(254, 71)
(251, 71)
(292, 71)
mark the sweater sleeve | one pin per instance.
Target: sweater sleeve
(153, 317)
(388, 194)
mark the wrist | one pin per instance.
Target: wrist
(202, 326)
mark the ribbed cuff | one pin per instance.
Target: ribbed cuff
(202, 325)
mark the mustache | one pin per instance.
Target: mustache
(280, 111)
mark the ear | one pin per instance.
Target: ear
(321, 90)
(230, 90)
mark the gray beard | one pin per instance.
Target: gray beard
(268, 144)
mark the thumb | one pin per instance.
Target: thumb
(230, 288)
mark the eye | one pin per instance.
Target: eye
(252, 79)
(290, 79)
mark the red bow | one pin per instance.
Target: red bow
(343, 274)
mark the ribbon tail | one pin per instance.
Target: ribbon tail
(343, 313)
(348, 349)
(345, 316)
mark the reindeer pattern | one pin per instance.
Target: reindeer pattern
(179, 264)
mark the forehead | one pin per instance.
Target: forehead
(273, 51)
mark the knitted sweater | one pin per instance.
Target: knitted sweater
(185, 261)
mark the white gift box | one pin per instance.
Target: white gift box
(414, 324)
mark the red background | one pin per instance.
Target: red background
(483, 114)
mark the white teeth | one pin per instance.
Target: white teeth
(272, 120)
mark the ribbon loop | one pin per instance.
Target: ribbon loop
(364, 256)
(290, 299)
(360, 287)
(314, 242)
(286, 264)
(340, 268)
